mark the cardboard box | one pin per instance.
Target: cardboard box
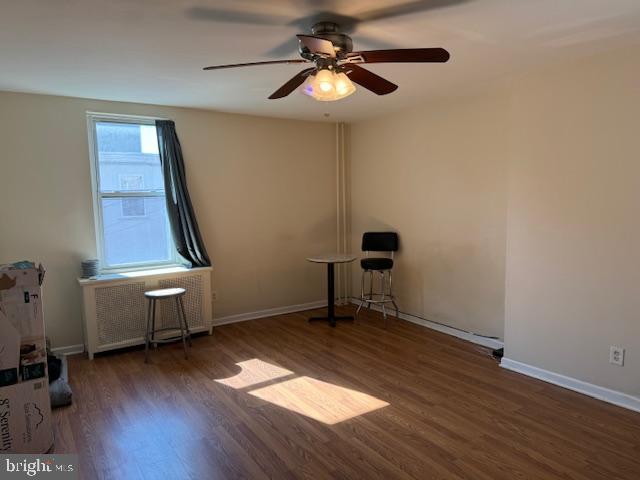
(25, 412)
(25, 417)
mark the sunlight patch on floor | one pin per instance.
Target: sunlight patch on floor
(319, 400)
(253, 372)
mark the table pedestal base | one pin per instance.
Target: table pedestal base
(331, 317)
(332, 320)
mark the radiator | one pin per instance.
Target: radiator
(114, 313)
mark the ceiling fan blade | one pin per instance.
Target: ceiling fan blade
(417, 55)
(407, 8)
(370, 80)
(318, 45)
(251, 64)
(291, 85)
(236, 16)
(286, 48)
(371, 41)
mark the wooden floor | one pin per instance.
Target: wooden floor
(280, 398)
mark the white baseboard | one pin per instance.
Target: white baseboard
(470, 337)
(68, 350)
(269, 312)
(601, 393)
(241, 317)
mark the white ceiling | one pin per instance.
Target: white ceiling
(153, 51)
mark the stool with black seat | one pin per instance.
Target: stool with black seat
(378, 242)
(150, 334)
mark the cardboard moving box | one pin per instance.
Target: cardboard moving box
(25, 411)
(25, 417)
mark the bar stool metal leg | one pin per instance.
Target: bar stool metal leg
(382, 291)
(184, 317)
(370, 289)
(393, 299)
(147, 332)
(362, 300)
(382, 286)
(179, 314)
(385, 293)
(153, 323)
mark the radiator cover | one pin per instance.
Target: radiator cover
(114, 313)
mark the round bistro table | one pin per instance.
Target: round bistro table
(331, 259)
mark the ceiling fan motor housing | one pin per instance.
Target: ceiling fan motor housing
(329, 31)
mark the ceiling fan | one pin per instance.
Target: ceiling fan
(334, 65)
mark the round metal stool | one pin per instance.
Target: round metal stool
(150, 335)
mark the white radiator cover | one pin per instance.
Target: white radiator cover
(115, 307)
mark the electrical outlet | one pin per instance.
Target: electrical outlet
(616, 355)
(214, 296)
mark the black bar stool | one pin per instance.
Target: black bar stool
(386, 242)
(150, 335)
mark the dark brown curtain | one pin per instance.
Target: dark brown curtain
(184, 226)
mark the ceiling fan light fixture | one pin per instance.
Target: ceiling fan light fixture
(344, 86)
(325, 80)
(328, 86)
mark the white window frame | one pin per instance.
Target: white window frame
(92, 119)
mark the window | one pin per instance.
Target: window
(132, 227)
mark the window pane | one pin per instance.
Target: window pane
(136, 230)
(133, 207)
(131, 182)
(128, 157)
(148, 139)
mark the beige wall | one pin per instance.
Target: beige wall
(573, 262)
(437, 175)
(264, 200)
(556, 148)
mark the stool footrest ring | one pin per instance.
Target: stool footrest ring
(167, 340)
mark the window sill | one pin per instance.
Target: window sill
(149, 273)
